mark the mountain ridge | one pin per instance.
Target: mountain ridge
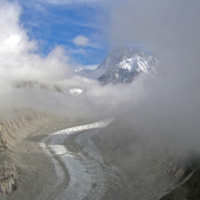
(121, 65)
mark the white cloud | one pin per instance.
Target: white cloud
(81, 40)
(19, 63)
(67, 1)
(21, 66)
(17, 57)
(169, 104)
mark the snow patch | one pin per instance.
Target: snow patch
(76, 91)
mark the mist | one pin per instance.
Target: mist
(169, 113)
(164, 108)
(29, 80)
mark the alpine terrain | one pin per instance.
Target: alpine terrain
(121, 65)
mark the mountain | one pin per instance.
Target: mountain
(121, 65)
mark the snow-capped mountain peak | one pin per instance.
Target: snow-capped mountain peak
(121, 65)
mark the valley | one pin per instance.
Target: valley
(88, 162)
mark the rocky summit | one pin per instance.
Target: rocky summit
(121, 65)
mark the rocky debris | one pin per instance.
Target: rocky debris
(35, 84)
(147, 171)
(189, 182)
(12, 130)
(7, 169)
(7, 180)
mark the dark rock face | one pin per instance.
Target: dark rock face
(7, 169)
(119, 76)
(190, 189)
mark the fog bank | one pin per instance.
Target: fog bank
(170, 112)
(165, 108)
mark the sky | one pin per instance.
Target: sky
(80, 27)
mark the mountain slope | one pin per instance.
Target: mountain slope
(121, 65)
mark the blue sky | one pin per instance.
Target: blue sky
(81, 27)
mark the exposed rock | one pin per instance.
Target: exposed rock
(12, 131)
(121, 65)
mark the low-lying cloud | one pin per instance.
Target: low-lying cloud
(19, 62)
(29, 80)
(170, 111)
(164, 107)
